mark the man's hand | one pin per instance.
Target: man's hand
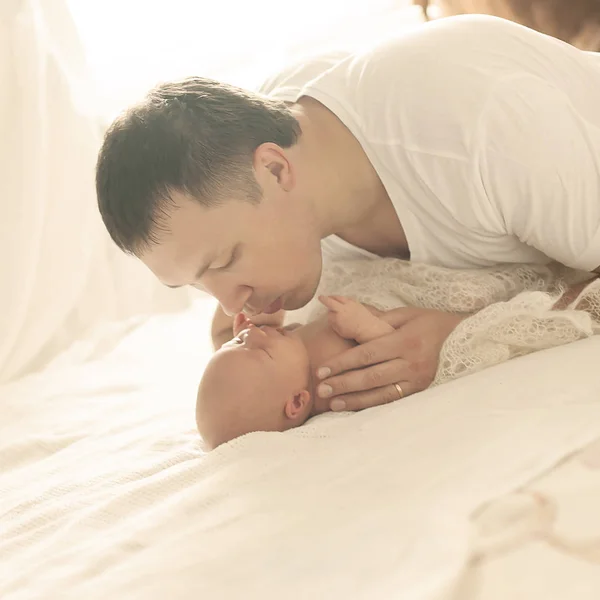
(364, 376)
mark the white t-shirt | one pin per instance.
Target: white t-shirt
(485, 134)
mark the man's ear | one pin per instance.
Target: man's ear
(298, 405)
(271, 161)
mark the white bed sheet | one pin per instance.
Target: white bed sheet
(541, 541)
(106, 492)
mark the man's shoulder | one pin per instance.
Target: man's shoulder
(421, 50)
(471, 44)
(297, 74)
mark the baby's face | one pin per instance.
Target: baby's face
(249, 382)
(271, 355)
(277, 350)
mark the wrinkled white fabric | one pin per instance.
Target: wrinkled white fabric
(522, 325)
(106, 493)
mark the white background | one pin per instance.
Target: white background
(132, 44)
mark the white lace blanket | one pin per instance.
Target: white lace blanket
(512, 306)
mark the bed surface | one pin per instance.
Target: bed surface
(478, 490)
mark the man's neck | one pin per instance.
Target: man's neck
(349, 199)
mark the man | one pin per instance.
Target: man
(471, 141)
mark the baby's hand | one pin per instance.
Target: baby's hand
(241, 321)
(346, 316)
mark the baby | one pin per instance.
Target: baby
(261, 380)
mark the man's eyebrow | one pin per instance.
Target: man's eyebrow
(203, 268)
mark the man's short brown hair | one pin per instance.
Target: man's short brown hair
(195, 136)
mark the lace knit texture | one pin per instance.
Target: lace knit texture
(511, 305)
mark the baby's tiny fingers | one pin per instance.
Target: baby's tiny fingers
(340, 299)
(239, 323)
(330, 302)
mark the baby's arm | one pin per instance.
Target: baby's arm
(353, 321)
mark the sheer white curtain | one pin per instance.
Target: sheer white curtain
(59, 274)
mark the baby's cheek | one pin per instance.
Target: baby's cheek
(294, 374)
(242, 369)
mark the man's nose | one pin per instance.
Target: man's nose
(231, 297)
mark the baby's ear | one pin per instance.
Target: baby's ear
(298, 405)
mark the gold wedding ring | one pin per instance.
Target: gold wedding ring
(399, 389)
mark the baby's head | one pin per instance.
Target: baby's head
(260, 381)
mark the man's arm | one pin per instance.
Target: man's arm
(571, 294)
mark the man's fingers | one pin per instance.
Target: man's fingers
(365, 355)
(375, 376)
(369, 398)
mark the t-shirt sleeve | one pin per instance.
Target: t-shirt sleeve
(539, 161)
(295, 75)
